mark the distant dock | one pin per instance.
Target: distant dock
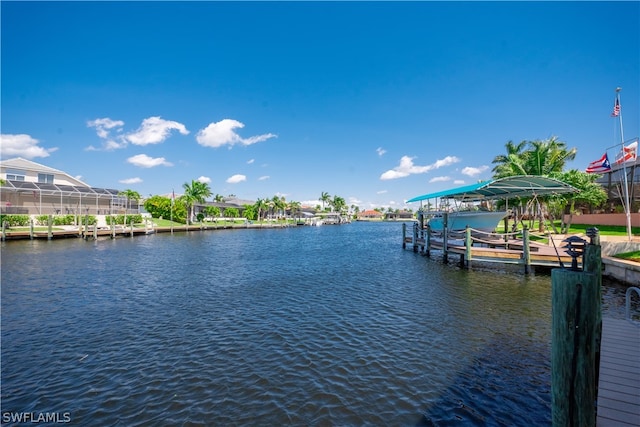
(95, 232)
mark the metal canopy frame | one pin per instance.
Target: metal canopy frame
(503, 188)
(57, 189)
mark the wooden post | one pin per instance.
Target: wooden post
(404, 235)
(415, 238)
(4, 230)
(113, 228)
(574, 301)
(131, 223)
(526, 251)
(86, 226)
(445, 233)
(49, 227)
(428, 250)
(31, 229)
(467, 246)
(95, 231)
(592, 263)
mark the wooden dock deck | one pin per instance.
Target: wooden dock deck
(619, 382)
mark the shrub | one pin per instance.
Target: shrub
(15, 220)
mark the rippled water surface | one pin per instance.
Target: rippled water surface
(332, 325)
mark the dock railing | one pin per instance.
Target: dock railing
(519, 247)
(627, 309)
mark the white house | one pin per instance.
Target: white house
(31, 188)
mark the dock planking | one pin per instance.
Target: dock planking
(619, 382)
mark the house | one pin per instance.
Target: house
(369, 215)
(399, 216)
(31, 188)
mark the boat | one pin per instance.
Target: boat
(477, 196)
(459, 220)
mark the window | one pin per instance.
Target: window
(16, 175)
(45, 178)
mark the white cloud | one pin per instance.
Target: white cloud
(222, 133)
(469, 171)
(23, 145)
(250, 161)
(459, 181)
(135, 180)
(381, 192)
(440, 179)
(144, 161)
(204, 179)
(406, 167)
(154, 130)
(264, 178)
(236, 179)
(380, 151)
(103, 126)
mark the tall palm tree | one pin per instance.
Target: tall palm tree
(196, 192)
(325, 198)
(279, 204)
(260, 207)
(129, 195)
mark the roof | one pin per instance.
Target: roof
(503, 188)
(28, 165)
(45, 188)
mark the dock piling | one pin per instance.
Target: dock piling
(573, 362)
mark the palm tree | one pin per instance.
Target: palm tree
(278, 204)
(260, 206)
(197, 192)
(325, 198)
(294, 208)
(338, 203)
(541, 158)
(547, 157)
(129, 195)
(511, 163)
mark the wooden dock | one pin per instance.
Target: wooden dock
(495, 249)
(619, 382)
(128, 231)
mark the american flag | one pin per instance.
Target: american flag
(600, 165)
(616, 109)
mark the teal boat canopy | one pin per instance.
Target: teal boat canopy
(503, 188)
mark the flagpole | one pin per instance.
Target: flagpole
(627, 205)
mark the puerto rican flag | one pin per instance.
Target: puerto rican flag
(599, 166)
(628, 153)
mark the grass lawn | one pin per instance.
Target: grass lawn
(629, 256)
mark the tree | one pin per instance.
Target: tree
(249, 212)
(589, 193)
(325, 198)
(196, 192)
(260, 206)
(338, 203)
(129, 195)
(211, 211)
(279, 204)
(541, 158)
(511, 163)
(163, 207)
(294, 209)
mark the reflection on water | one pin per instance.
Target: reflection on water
(331, 325)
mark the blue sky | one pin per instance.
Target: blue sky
(376, 102)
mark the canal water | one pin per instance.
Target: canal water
(304, 326)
